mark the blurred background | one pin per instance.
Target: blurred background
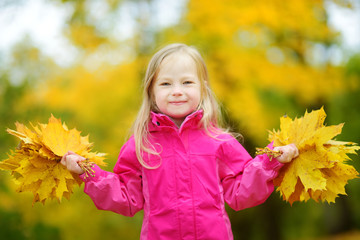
(84, 61)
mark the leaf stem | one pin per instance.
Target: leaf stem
(269, 152)
(87, 165)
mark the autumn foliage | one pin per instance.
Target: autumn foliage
(320, 171)
(35, 163)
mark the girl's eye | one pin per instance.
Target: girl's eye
(164, 84)
(188, 82)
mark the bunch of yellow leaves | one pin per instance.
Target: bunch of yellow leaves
(35, 163)
(320, 171)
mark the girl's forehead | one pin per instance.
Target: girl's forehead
(178, 57)
(177, 64)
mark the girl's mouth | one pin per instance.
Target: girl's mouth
(177, 102)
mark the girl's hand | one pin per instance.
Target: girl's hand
(289, 152)
(70, 161)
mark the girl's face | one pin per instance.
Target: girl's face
(177, 88)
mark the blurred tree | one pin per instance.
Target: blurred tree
(346, 108)
(27, 68)
(263, 58)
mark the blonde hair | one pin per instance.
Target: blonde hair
(211, 111)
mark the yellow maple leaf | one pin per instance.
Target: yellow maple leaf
(320, 171)
(57, 138)
(35, 163)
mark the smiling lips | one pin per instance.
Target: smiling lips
(177, 102)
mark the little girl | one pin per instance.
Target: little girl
(179, 166)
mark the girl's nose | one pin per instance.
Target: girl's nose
(177, 90)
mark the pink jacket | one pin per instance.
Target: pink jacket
(184, 198)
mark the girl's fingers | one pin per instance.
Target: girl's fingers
(296, 150)
(71, 153)
(289, 152)
(284, 158)
(70, 161)
(293, 150)
(63, 159)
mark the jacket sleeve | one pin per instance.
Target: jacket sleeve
(246, 182)
(120, 191)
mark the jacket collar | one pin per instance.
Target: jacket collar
(158, 121)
